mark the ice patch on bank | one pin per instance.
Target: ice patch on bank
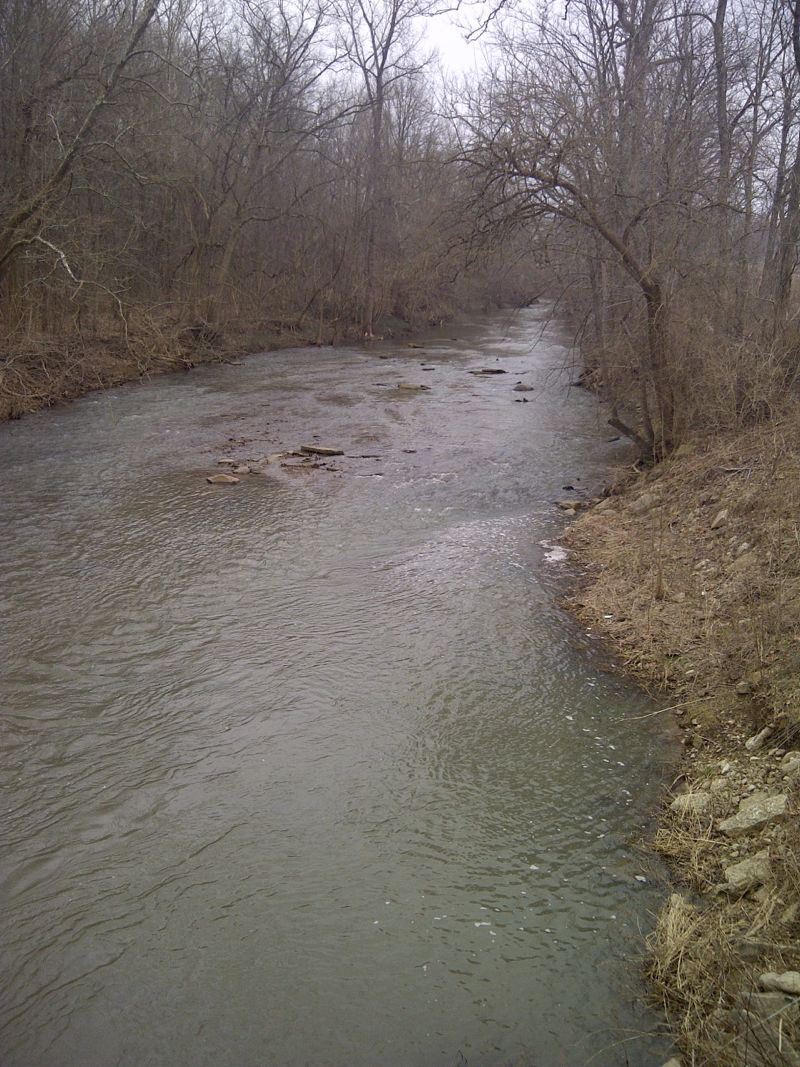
(553, 553)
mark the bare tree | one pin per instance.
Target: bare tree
(20, 223)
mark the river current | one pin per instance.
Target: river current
(312, 770)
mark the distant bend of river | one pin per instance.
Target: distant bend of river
(311, 770)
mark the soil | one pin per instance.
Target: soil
(691, 571)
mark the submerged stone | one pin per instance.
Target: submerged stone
(222, 479)
(321, 450)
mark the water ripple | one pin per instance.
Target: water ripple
(312, 767)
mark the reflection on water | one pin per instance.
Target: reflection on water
(311, 770)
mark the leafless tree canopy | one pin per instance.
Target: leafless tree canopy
(262, 161)
(652, 145)
(187, 164)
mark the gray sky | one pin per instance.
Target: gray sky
(457, 55)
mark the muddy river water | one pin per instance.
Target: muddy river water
(312, 770)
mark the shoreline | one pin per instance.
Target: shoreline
(44, 373)
(691, 576)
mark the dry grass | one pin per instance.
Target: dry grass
(697, 611)
(37, 371)
(705, 958)
(689, 844)
(702, 967)
(712, 617)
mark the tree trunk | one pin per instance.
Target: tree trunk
(786, 252)
(375, 197)
(658, 367)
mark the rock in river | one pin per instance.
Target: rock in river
(321, 450)
(222, 479)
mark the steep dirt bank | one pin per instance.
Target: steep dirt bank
(692, 572)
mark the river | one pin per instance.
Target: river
(312, 770)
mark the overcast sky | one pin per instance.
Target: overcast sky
(455, 53)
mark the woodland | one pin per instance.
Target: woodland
(179, 172)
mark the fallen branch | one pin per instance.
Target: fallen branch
(631, 434)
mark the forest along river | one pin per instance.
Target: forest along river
(311, 769)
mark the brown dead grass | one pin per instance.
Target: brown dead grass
(702, 967)
(712, 617)
(39, 371)
(708, 950)
(689, 844)
(696, 611)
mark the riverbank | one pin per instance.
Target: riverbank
(39, 372)
(692, 574)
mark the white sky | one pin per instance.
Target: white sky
(456, 54)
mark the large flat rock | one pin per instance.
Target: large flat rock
(749, 874)
(753, 813)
